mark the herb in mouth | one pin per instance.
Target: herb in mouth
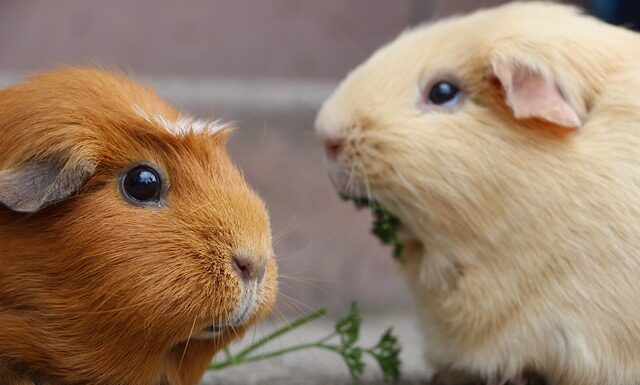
(385, 224)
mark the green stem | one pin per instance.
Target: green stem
(238, 358)
(273, 354)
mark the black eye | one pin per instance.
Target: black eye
(443, 93)
(142, 184)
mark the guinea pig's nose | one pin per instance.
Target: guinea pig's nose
(248, 268)
(333, 148)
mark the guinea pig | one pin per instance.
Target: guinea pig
(507, 143)
(131, 247)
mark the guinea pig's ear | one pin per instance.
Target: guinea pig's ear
(35, 184)
(532, 94)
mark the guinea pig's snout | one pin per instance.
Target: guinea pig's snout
(248, 268)
(333, 147)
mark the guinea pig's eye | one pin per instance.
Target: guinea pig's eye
(444, 93)
(142, 184)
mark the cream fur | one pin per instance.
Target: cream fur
(524, 240)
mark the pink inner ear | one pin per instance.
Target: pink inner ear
(530, 95)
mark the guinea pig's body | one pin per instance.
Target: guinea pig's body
(131, 248)
(508, 144)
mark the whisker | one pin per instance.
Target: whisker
(294, 287)
(365, 179)
(186, 346)
(295, 305)
(200, 208)
(311, 245)
(286, 229)
(304, 222)
(305, 279)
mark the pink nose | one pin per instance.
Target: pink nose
(248, 269)
(333, 148)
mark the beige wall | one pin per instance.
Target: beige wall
(230, 38)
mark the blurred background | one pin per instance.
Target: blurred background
(266, 66)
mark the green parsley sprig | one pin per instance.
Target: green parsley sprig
(343, 341)
(385, 224)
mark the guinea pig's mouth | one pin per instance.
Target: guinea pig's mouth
(223, 327)
(212, 331)
(215, 328)
(386, 226)
(241, 315)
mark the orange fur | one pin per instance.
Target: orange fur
(525, 236)
(96, 290)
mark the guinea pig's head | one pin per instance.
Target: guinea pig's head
(131, 248)
(455, 123)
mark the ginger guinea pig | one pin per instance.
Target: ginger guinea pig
(507, 142)
(131, 248)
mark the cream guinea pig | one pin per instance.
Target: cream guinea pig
(131, 248)
(507, 142)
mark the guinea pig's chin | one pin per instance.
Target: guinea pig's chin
(244, 311)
